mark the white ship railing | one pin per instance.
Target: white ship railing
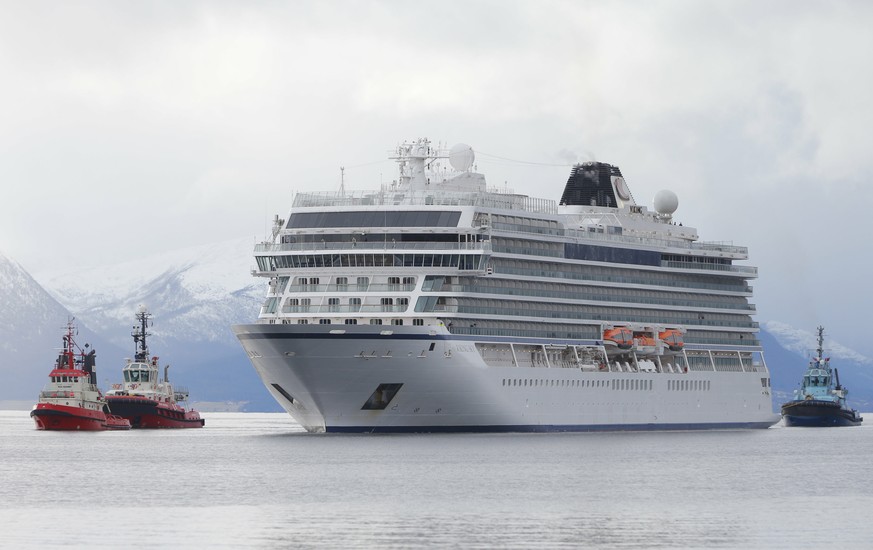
(351, 287)
(371, 245)
(428, 198)
(525, 315)
(712, 267)
(506, 270)
(657, 241)
(508, 292)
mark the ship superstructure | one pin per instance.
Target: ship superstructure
(434, 303)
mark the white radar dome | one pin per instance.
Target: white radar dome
(461, 157)
(666, 202)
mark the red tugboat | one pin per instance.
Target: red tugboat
(144, 398)
(71, 400)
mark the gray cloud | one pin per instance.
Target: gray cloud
(131, 128)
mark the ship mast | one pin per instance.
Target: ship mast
(139, 335)
(67, 359)
(820, 349)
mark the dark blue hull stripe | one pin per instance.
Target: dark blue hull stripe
(549, 428)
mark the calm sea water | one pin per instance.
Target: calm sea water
(258, 481)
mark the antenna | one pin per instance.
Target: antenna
(342, 181)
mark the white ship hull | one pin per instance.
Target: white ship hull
(325, 375)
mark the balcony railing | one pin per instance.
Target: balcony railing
(370, 245)
(387, 197)
(749, 270)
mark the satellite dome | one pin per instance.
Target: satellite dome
(666, 202)
(461, 157)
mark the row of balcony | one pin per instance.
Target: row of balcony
(372, 245)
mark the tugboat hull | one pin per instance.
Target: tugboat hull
(818, 414)
(144, 413)
(64, 418)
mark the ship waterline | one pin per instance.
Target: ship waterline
(436, 304)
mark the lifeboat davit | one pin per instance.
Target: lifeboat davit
(621, 337)
(672, 338)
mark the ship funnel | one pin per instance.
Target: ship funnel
(166, 373)
(90, 361)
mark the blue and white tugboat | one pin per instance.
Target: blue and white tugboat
(821, 400)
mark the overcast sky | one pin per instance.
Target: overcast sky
(130, 128)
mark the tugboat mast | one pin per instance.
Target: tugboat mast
(139, 335)
(67, 357)
(820, 349)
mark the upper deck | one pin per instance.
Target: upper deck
(586, 224)
(390, 197)
(432, 209)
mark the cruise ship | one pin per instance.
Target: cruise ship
(435, 303)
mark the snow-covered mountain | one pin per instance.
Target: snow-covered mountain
(803, 342)
(194, 294)
(31, 327)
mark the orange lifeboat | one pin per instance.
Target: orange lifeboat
(644, 342)
(621, 337)
(672, 338)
